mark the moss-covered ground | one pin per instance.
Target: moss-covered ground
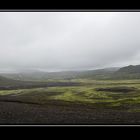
(116, 94)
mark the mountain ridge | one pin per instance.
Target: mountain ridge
(126, 72)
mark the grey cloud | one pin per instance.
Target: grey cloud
(69, 40)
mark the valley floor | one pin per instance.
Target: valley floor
(92, 102)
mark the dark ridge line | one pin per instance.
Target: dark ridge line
(43, 104)
(14, 101)
(68, 104)
(45, 86)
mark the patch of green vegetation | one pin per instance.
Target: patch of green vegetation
(87, 93)
(7, 92)
(81, 94)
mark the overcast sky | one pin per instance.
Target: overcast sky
(69, 40)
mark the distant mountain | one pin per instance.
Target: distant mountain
(6, 82)
(2, 79)
(127, 72)
(32, 75)
(130, 69)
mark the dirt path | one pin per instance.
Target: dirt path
(61, 113)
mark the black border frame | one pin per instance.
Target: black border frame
(70, 10)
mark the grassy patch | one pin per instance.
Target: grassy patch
(111, 93)
(8, 92)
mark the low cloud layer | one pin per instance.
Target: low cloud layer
(69, 40)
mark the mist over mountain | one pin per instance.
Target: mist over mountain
(127, 72)
(42, 75)
(65, 45)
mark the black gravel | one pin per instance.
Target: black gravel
(57, 112)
